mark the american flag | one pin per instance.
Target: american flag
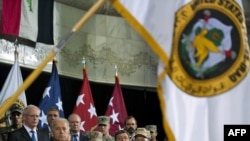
(51, 97)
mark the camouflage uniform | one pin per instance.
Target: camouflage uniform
(95, 136)
(4, 133)
(108, 138)
(5, 130)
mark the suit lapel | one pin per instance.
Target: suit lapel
(25, 134)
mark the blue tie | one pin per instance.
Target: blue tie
(33, 137)
(75, 137)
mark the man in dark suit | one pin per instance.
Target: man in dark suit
(52, 114)
(75, 123)
(29, 130)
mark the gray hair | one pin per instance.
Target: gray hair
(59, 119)
(27, 108)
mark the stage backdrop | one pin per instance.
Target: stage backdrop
(105, 41)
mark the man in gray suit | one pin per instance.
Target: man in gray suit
(29, 130)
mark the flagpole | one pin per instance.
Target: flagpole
(16, 52)
(50, 56)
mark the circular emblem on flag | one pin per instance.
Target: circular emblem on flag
(210, 51)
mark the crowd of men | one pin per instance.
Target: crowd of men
(24, 127)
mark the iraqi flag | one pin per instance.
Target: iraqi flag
(189, 113)
(28, 19)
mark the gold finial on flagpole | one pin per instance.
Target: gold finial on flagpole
(84, 62)
(55, 60)
(116, 70)
(16, 52)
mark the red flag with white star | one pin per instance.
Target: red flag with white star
(116, 109)
(85, 106)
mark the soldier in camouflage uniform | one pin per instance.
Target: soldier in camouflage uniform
(16, 121)
(104, 126)
(142, 134)
(153, 131)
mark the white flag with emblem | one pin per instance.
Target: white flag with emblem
(197, 96)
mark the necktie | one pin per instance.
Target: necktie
(75, 137)
(33, 137)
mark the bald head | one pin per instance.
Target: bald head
(74, 123)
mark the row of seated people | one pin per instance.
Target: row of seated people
(24, 124)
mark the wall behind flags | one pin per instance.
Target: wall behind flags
(105, 41)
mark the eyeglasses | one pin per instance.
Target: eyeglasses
(32, 116)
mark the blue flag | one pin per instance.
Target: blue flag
(51, 97)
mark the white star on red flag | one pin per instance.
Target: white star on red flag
(116, 109)
(92, 111)
(85, 107)
(114, 116)
(80, 99)
(82, 125)
(111, 101)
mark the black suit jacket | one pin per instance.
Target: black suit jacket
(45, 131)
(82, 138)
(22, 135)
